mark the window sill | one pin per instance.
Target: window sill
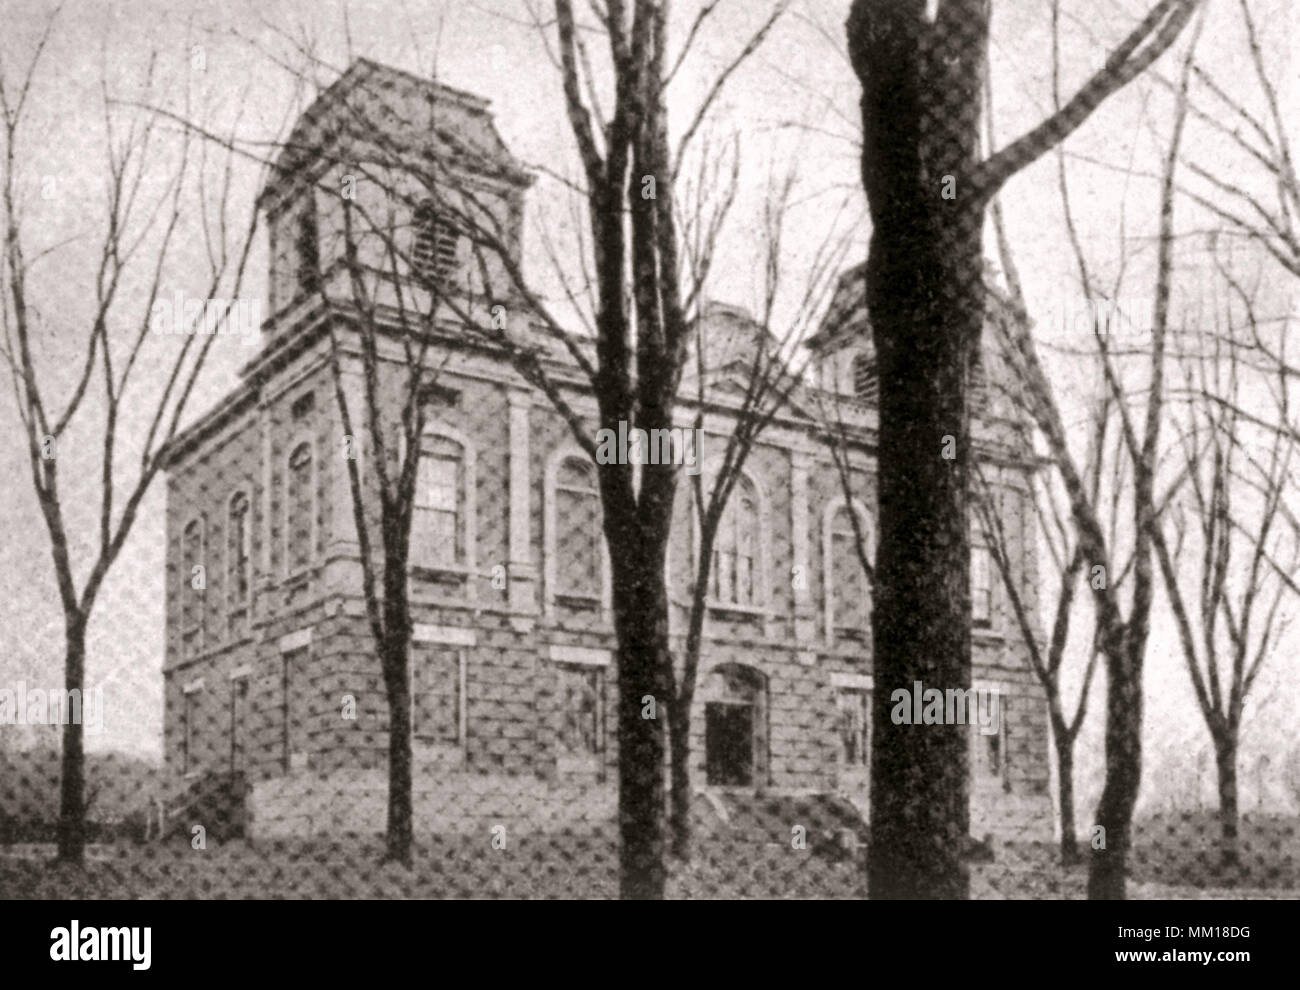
(742, 611)
(588, 603)
(441, 574)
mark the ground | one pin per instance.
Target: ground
(575, 865)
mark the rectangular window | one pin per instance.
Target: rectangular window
(189, 731)
(581, 701)
(436, 539)
(294, 711)
(307, 247)
(238, 723)
(854, 709)
(438, 696)
(991, 749)
(238, 562)
(301, 503)
(193, 586)
(436, 249)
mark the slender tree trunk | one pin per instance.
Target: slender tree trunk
(1065, 779)
(679, 730)
(1106, 867)
(72, 789)
(680, 727)
(641, 623)
(1225, 758)
(395, 657)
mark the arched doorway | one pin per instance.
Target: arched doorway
(735, 727)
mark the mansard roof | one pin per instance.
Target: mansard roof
(394, 113)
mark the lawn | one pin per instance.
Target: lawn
(583, 865)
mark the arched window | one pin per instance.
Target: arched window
(435, 246)
(238, 557)
(193, 586)
(849, 591)
(438, 530)
(734, 573)
(300, 508)
(578, 568)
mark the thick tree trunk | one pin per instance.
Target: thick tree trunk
(72, 789)
(925, 296)
(1065, 780)
(641, 624)
(1107, 865)
(926, 299)
(395, 657)
(1225, 759)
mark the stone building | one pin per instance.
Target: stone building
(271, 674)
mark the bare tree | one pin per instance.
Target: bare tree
(1256, 198)
(1047, 655)
(139, 239)
(927, 188)
(1121, 639)
(764, 365)
(1228, 578)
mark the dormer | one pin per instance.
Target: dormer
(404, 176)
(843, 357)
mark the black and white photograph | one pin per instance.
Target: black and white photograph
(584, 450)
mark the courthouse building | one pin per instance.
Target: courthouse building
(272, 681)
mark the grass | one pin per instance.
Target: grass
(576, 865)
